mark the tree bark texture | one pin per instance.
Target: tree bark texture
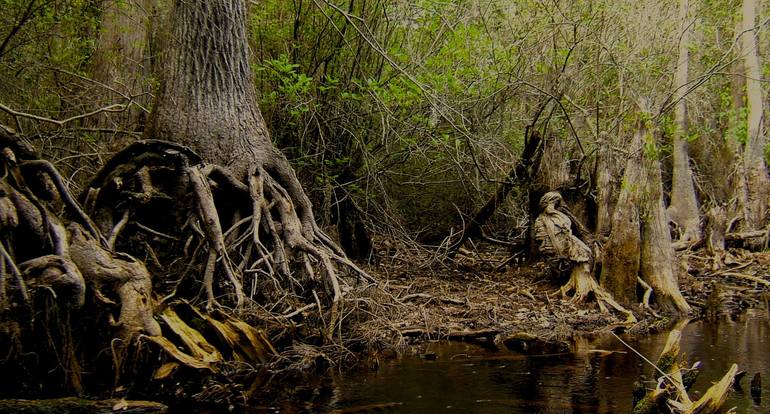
(753, 192)
(121, 60)
(642, 233)
(207, 99)
(620, 264)
(684, 204)
(552, 172)
(603, 186)
(657, 264)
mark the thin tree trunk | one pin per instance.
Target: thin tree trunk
(684, 204)
(738, 95)
(121, 63)
(754, 191)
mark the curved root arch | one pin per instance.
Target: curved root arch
(157, 200)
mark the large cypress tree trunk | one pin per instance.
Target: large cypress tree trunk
(620, 265)
(639, 246)
(657, 264)
(208, 102)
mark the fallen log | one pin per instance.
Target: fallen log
(453, 335)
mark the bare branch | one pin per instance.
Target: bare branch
(61, 123)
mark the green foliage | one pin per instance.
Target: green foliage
(651, 148)
(293, 91)
(427, 101)
(409, 92)
(384, 97)
(738, 129)
(44, 38)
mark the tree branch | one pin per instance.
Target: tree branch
(61, 123)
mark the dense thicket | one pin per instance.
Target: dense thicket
(408, 112)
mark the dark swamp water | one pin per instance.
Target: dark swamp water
(465, 378)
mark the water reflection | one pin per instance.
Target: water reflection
(464, 378)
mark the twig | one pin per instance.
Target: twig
(732, 269)
(298, 311)
(747, 277)
(62, 122)
(155, 232)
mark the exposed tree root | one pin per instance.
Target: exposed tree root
(552, 230)
(583, 286)
(256, 235)
(243, 249)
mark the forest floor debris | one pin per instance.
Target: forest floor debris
(474, 300)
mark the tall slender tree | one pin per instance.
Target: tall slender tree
(684, 204)
(121, 64)
(754, 185)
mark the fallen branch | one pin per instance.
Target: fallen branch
(747, 277)
(453, 335)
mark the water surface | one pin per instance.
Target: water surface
(467, 379)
